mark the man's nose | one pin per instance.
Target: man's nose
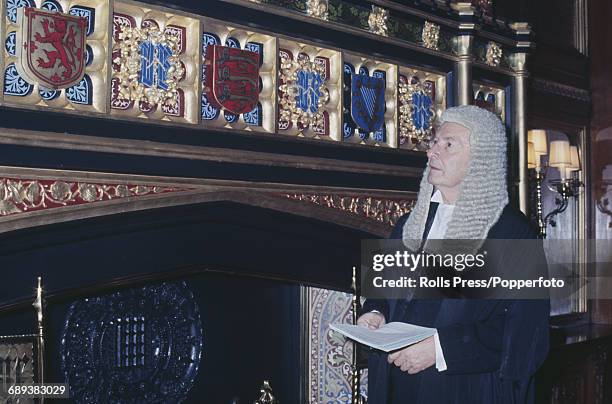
(433, 150)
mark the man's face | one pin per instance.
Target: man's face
(449, 156)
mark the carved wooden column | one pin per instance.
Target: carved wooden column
(520, 189)
(463, 67)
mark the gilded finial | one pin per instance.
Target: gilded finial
(267, 396)
(38, 303)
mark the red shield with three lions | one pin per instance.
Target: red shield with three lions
(232, 78)
(51, 47)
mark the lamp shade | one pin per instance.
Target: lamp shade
(531, 157)
(559, 154)
(574, 158)
(538, 138)
(574, 161)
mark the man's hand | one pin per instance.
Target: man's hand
(371, 320)
(415, 358)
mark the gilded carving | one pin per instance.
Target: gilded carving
(154, 64)
(494, 54)
(317, 9)
(377, 21)
(309, 86)
(166, 46)
(19, 196)
(417, 112)
(430, 35)
(421, 100)
(290, 109)
(386, 211)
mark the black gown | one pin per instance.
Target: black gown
(492, 348)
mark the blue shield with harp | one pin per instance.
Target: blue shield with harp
(368, 102)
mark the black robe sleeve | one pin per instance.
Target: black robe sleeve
(382, 305)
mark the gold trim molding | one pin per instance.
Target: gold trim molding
(386, 211)
(27, 195)
(36, 197)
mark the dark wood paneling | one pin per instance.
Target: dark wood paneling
(601, 128)
(578, 369)
(552, 20)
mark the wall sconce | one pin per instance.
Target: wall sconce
(603, 202)
(563, 157)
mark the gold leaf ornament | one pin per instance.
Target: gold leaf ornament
(430, 35)
(494, 54)
(130, 60)
(289, 110)
(377, 21)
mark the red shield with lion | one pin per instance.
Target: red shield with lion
(51, 47)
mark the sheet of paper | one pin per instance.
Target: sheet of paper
(387, 338)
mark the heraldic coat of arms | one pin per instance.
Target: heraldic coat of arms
(51, 48)
(368, 102)
(232, 78)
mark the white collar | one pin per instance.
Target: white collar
(437, 197)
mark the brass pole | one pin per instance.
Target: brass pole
(355, 379)
(520, 123)
(38, 305)
(518, 63)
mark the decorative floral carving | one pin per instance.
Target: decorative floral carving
(386, 211)
(164, 76)
(494, 54)
(416, 111)
(303, 80)
(378, 21)
(430, 35)
(18, 196)
(317, 9)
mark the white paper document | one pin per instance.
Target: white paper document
(387, 338)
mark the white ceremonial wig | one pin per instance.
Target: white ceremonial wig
(483, 192)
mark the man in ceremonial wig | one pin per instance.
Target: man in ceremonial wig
(483, 351)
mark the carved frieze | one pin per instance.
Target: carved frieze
(386, 211)
(26, 195)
